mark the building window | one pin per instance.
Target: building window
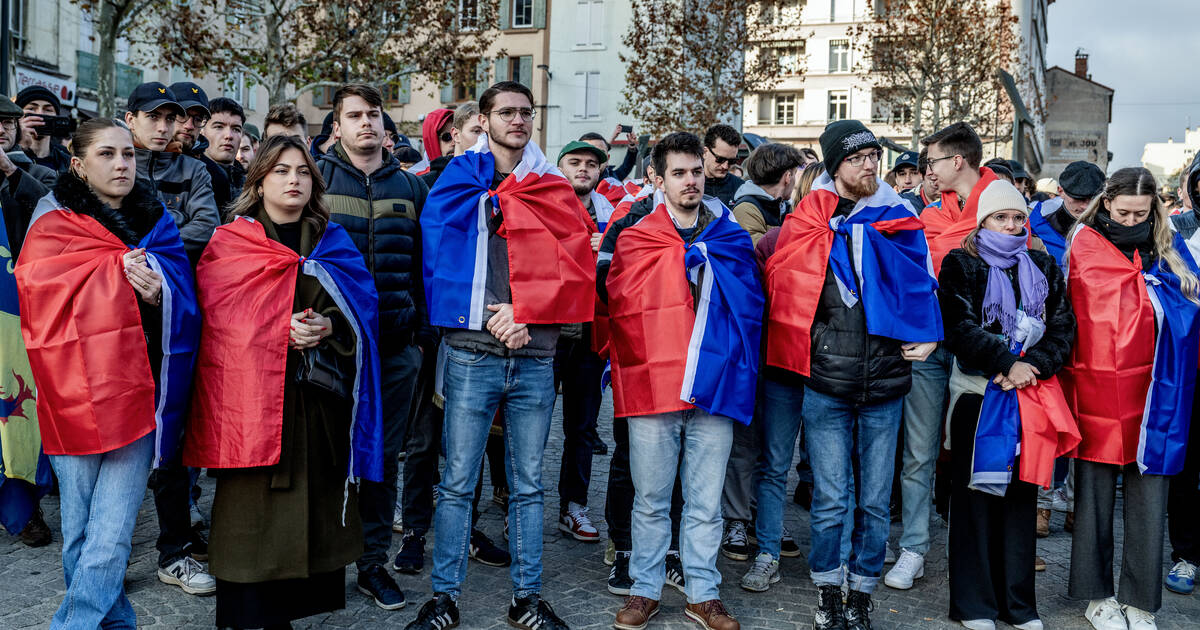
(841, 10)
(587, 104)
(468, 15)
(323, 96)
(890, 107)
(522, 16)
(235, 87)
(839, 105)
(839, 55)
(520, 69)
(777, 109)
(789, 57)
(589, 24)
(16, 25)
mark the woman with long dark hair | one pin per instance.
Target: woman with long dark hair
(1132, 282)
(287, 395)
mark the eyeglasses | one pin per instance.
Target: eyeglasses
(509, 113)
(8, 123)
(445, 137)
(720, 159)
(857, 160)
(1017, 219)
(199, 120)
(932, 161)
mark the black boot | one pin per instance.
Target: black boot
(830, 614)
(858, 608)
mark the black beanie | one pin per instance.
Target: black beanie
(38, 93)
(843, 138)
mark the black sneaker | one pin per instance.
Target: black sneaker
(36, 532)
(599, 448)
(439, 613)
(374, 582)
(829, 614)
(198, 546)
(675, 571)
(858, 609)
(411, 557)
(619, 581)
(533, 613)
(734, 544)
(484, 551)
(787, 545)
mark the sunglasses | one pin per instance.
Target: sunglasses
(720, 159)
(445, 136)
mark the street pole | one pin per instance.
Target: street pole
(4, 47)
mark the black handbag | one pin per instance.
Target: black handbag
(323, 368)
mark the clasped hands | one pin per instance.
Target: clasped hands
(146, 282)
(505, 328)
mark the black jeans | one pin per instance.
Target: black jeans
(1183, 498)
(578, 370)
(377, 501)
(618, 502)
(171, 485)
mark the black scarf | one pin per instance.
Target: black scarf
(1138, 238)
(1061, 221)
(137, 216)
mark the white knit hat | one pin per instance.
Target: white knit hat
(999, 195)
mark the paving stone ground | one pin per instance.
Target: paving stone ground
(574, 579)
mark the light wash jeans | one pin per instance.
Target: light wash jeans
(655, 442)
(853, 451)
(476, 385)
(100, 496)
(924, 416)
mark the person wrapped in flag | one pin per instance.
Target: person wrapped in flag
(507, 260)
(1130, 380)
(287, 409)
(1010, 326)
(1051, 220)
(685, 309)
(111, 325)
(852, 304)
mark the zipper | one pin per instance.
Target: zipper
(866, 344)
(370, 228)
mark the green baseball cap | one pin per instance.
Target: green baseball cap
(575, 146)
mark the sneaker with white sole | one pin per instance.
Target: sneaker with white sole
(674, 572)
(735, 545)
(198, 519)
(188, 575)
(1105, 614)
(1182, 578)
(910, 566)
(576, 524)
(1032, 624)
(978, 624)
(762, 574)
(1059, 501)
(1139, 619)
(787, 545)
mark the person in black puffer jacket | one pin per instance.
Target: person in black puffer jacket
(379, 204)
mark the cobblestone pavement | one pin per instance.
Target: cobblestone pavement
(574, 580)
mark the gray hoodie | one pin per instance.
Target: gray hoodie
(185, 188)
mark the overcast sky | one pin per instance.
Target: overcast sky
(1148, 51)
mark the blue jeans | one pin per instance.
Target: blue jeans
(654, 446)
(780, 425)
(850, 446)
(476, 384)
(100, 496)
(924, 415)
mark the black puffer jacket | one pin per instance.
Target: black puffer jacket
(723, 188)
(847, 362)
(380, 212)
(983, 350)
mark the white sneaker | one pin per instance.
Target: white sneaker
(910, 566)
(198, 519)
(1059, 501)
(889, 556)
(575, 523)
(398, 520)
(1105, 614)
(1139, 619)
(979, 624)
(188, 575)
(1032, 624)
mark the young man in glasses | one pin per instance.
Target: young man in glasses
(721, 144)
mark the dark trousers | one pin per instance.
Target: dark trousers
(1183, 498)
(377, 501)
(993, 539)
(577, 371)
(618, 502)
(1092, 543)
(171, 485)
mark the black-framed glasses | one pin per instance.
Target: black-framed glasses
(721, 159)
(508, 114)
(858, 159)
(445, 137)
(8, 123)
(932, 161)
(198, 120)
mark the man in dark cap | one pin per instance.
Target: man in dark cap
(907, 175)
(1051, 220)
(36, 102)
(190, 137)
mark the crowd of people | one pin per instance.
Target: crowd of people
(294, 316)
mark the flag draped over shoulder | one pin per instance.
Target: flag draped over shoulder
(247, 284)
(614, 190)
(884, 264)
(21, 457)
(552, 271)
(668, 352)
(946, 226)
(83, 330)
(1132, 370)
(603, 209)
(1039, 226)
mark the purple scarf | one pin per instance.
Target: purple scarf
(1000, 252)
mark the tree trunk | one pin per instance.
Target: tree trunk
(106, 66)
(277, 82)
(916, 120)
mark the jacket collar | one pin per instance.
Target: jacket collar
(136, 217)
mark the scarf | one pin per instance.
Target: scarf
(1002, 251)
(1129, 239)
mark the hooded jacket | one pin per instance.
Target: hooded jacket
(185, 188)
(429, 132)
(227, 181)
(380, 212)
(19, 196)
(1187, 223)
(756, 210)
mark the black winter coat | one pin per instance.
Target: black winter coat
(723, 188)
(983, 350)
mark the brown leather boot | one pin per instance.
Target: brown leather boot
(1070, 524)
(712, 615)
(636, 613)
(1043, 523)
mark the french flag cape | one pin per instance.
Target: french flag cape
(668, 353)
(1056, 244)
(946, 226)
(614, 190)
(1035, 417)
(603, 209)
(1132, 370)
(600, 335)
(885, 265)
(20, 438)
(552, 270)
(247, 285)
(83, 330)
